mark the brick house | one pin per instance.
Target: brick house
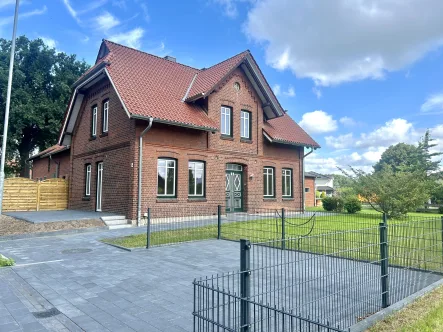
(206, 136)
(53, 162)
(310, 199)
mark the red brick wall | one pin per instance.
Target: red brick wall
(40, 166)
(188, 144)
(113, 149)
(310, 196)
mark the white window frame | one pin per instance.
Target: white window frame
(166, 179)
(226, 114)
(245, 122)
(105, 116)
(269, 172)
(99, 194)
(94, 121)
(286, 172)
(88, 180)
(193, 165)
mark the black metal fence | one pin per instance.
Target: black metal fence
(321, 282)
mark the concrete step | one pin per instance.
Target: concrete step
(119, 226)
(116, 217)
(116, 222)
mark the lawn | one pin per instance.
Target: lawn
(415, 241)
(424, 315)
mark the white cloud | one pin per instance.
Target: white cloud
(317, 92)
(290, 92)
(347, 121)
(35, 12)
(4, 3)
(51, 43)
(339, 41)
(119, 3)
(71, 10)
(106, 21)
(341, 141)
(144, 8)
(130, 38)
(277, 89)
(374, 154)
(392, 132)
(318, 122)
(433, 105)
(229, 7)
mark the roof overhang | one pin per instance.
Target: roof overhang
(49, 153)
(280, 141)
(173, 123)
(80, 86)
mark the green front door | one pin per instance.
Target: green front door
(234, 188)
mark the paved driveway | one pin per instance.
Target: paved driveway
(37, 217)
(96, 287)
(76, 283)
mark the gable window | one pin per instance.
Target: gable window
(196, 178)
(268, 181)
(287, 182)
(105, 116)
(88, 170)
(94, 121)
(166, 177)
(245, 125)
(226, 121)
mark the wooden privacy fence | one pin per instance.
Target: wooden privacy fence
(21, 194)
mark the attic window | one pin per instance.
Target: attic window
(237, 86)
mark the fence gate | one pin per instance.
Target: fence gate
(21, 194)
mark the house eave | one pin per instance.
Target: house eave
(280, 141)
(173, 123)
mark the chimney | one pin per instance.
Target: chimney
(170, 58)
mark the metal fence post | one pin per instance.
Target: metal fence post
(148, 230)
(384, 264)
(245, 285)
(219, 222)
(283, 229)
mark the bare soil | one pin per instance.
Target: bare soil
(13, 226)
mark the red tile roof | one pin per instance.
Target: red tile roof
(285, 130)
(50, 151)
(208, 78)
(150, 86)
(154, 87)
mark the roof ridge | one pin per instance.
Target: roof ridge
(152, 55)
(245, 51)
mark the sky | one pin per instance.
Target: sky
(357, 75)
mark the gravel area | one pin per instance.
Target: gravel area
(12, 226)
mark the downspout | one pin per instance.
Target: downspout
(140, 165)
(303, 178)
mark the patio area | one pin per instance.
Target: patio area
(37, 217)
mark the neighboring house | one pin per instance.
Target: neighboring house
(210, 136)
(323, 183)
(310, 199)
(53, 162)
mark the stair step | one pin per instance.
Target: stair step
(116, 222)
(106, 218)
(119, 226)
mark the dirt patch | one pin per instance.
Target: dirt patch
(12, 226)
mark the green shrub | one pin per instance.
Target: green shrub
(323, 195)
(332, 204)
(5, 261)
(352, 205)
(440, 209)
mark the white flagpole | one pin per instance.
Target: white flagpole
(8, 104)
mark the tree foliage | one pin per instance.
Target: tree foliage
(399, 157)
(41, 89)
(393, 193)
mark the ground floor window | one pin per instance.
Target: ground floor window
(166, 177)
(268, 181)
(196, 178)
(287, 182)
(88, 170)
